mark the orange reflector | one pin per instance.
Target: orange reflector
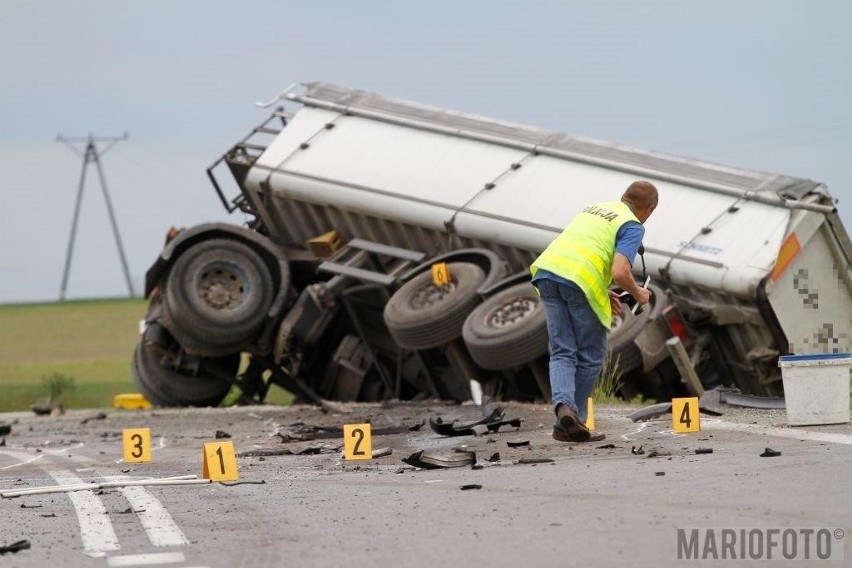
(788, 252)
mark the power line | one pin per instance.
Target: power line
(90, 155)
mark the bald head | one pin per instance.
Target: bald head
(642, 198)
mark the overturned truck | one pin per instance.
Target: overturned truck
(387, 250)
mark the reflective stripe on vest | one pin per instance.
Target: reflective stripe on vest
(583, 253)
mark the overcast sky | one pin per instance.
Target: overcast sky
(756, 84)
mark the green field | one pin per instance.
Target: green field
(89, 341)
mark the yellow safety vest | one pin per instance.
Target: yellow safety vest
(583, 253)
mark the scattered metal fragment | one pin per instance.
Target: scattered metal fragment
(48, 515)
(222, 434)
(637, 451)
(752, 401)
(429, 460)
(470, 486)
(25, 506)
(659, 452)
(770, 453)
(659, 473)
(703, 450)
(534, 460)
(518, 444)
(606, 447)
(226, 484)
(129, 510)
(382, 452)
(495, 457)
(15, 547)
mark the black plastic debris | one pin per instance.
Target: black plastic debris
(15, 547)
(495, 457)
(3, 442)
(5, 429)
(222, 434)
(659, 452)
(659, 473)
(470, 486)
(416, 427)
(703, 450)
(431, 460)
(48, 515)
(636, 451)
(226, 484)
(606, 447)
(770, 453)
(25, 506)
(518, 444)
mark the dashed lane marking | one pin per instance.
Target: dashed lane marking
(146, 559)
(156, 520)
(95, 527)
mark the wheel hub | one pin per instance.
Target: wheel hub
(512, 312)
(431, 295)
(221, 289)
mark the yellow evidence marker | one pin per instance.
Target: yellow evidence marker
(137, 444)
(440, 274)
(590, 421)
(685, 417)
(220, 462)
(356, 442)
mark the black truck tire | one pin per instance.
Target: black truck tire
(164, 386)
(421, 315)
(217, 296)
(507, 330)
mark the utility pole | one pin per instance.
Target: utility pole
(91, 155)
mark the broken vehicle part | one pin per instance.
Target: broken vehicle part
(770, 453)
(426, 459)
(15, 547)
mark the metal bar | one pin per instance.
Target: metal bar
(114, 225)
(684, 366)
(70, 251)
(386, 250)
(357, 273)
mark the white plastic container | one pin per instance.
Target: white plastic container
(816, 388)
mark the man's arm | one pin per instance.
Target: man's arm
(622, 275)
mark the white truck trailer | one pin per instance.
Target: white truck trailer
(354, 198)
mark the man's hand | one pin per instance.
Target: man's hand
(615, 303)
(622, 276)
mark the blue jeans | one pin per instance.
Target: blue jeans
(577, 344)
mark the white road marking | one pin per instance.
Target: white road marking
(146, 559)
(795, 433)
(24, 457)
(95, 527)
(156, 520)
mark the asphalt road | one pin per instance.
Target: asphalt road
(591, 506)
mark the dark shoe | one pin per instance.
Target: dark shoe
(561, 435)
(570, 422)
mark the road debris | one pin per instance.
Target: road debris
(534, 460)
(382, 452)
(227, 484)
(5, 429)
(495, 457)
(606, 447)
(658, 452)
(659, 473)
(98, 416)
(703, 450)
(15, 547)
(426, 459)
(636, 451)
(25, 506)
(470, 486)
(518, 443)
(770, 453)
(221, 434)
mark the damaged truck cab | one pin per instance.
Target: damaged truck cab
(387, 256)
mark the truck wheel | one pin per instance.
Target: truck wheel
(165, 386)
(627, 327)
(421, 315)
(217, 296)
(507, 330)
